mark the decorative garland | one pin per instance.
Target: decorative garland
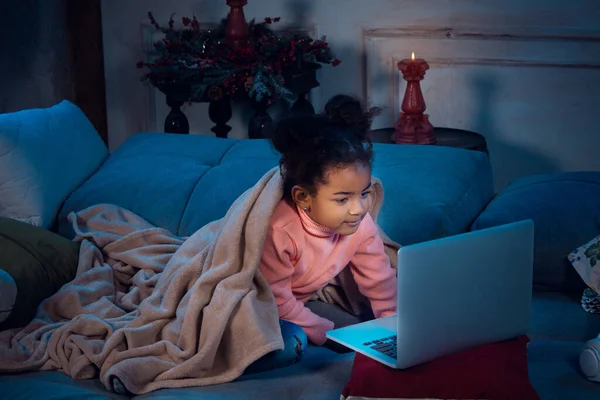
(198, 63)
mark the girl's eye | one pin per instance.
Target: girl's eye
(341, 201)
(365, 194)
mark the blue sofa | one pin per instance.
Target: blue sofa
(181, 182)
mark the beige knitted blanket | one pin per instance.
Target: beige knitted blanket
(161, 311)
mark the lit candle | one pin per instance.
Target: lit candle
(413, 125)
(413, 71)
(413, 60)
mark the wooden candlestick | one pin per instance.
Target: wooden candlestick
(413, 126)
(236, 31)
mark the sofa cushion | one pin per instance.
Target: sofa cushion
(45, 154)
(559, 316)
(240, 168)
(565, 208)
(431, 191)
(182, 182)
(554, 371)
(52, 386)
(39, 262)
(153, 175)
(320, 375)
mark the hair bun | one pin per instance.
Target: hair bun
(296, 131)
(349, 111)
(343, 118)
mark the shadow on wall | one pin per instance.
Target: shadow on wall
(34, 58)
(509, 160)
(302, 10)
(17, 56)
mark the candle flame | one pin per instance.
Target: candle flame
(413, 55)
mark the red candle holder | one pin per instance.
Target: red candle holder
(236, 30)
(413, 126)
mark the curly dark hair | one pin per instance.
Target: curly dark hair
(310, 145)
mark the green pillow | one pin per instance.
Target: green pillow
(39, 261)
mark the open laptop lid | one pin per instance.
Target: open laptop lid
(464, 290)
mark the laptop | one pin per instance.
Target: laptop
(454, 293)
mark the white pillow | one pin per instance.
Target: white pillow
(586, 261)
(45, 154)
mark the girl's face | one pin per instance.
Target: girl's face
(343, 202)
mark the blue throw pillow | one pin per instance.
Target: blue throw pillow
(565, 208)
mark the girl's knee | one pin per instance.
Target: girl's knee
(294, 337)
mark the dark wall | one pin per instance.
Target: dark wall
(34, 54)
(50, 51)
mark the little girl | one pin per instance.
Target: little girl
(322, 223)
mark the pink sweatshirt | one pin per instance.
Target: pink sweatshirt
(301, 257)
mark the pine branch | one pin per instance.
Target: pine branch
(200, 60)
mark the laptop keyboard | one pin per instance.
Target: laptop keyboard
(386, 345)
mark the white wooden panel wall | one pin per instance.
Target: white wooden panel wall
(534, 95)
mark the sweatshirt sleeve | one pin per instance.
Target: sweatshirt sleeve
(374, 276)
(277, 267)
